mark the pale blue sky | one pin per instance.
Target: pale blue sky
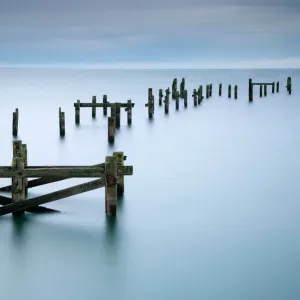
(138, 33)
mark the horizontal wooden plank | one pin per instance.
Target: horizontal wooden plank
(125, 170)
(65, 193)
(5, 200)
(41, 210)
(103, 104)
(257, 83)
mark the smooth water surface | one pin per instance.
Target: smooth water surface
(211, 212)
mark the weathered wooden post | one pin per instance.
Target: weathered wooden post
(94, 101)
(77, 112)
(111, 129)
(15, 124)
(220, 89)
(265, 90)
(229, 91)
(195, 94)
(200, 95)
(207, 91)
(174, 88)
(129, 112)
(273, 87)
(166, 101)
(185, 96)
(18, 192)
(111, 175)
(182, 88)
(120, 163)
(105, 105)
(235, 91)
(150, 104)
(62, 130)
(177, 100)
(160, 96)
(25, 179)
(210, 90)
(250, 90)
(260, 91)
(277, 87)
(118, 116)
(289, 85)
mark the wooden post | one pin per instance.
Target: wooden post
(182, 88)
(200, 94)
(62, 127)
(18, 193)
(111, 130)
(260, 91)
(15, 124)
(289, 85)
(195, 94)
(273, 87)
(229, 91)
(104, 106)
(220, 89)
(25, 179)
(111, 174)
(150, 104)
(129, 112)
(174, 88)
(277, 87)
(77, 112)
(120, 163)
(94, 101)
(265, 90)
(166, 101)
(177, 100)
(185, 95)
(207, 91)
(160, 96)
(118, 116)
(235, 91)
(210, 90)
(250, 90)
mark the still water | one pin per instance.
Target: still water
(211, 212)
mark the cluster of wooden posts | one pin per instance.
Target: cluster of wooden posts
(110, 175)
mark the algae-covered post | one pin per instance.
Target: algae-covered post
(94, 101)
(220, 89)
(260, 91)
(185, 96)
(160, 96)
(289, 85)
(25, 179)
(105, 105)
(129, 112)
(77, 112)
(210, 90)
(111, 173)
(167, 100)
(235, 92)
(200, 94)
(273, 87)
(265, 90)
(120, 163)
(277, 87)
(174, 88)
(250, 90)
(61, 116)
(15, 123)
(111, 130)
(18, 188)
(207, 91)
(118, 116)
(229, 91)
(150, 104)
(195, 94)
(177, 100)
(182, 88)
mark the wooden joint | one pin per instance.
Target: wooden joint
(111, 180)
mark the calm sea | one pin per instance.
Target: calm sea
(212, 211)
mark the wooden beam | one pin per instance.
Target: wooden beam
(5, 200)
(65, 193)
(108, 104)
(41, 210)
(256, 83)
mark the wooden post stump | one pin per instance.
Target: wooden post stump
(62, 128)
(289, 85)
(174, 88)
(277, 87)
(25, 179)
(160, 96)
(229, 91)
(235, 92)
(210, 90)
(105, 106)
(150, 104)
(250, 90)
(200, 95)
(94, 101)
(129, 112)
(207, 91)
(220, 89)
(120, 163)
(18, 188)
(182, 88)
(273, 87)
(166, 101)
(195, 94)
(265, 90)
(111, 174)
(260, 91)
(185, 96)
(177, 100)
(118, 116)
(111, 130)
(15, 123)
(77, 112)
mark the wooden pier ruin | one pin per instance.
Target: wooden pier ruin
(262, 88)
(15, 123)
(62, 125)
(110, 175)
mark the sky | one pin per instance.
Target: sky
(150, 34)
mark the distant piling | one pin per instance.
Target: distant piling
(15, 123)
